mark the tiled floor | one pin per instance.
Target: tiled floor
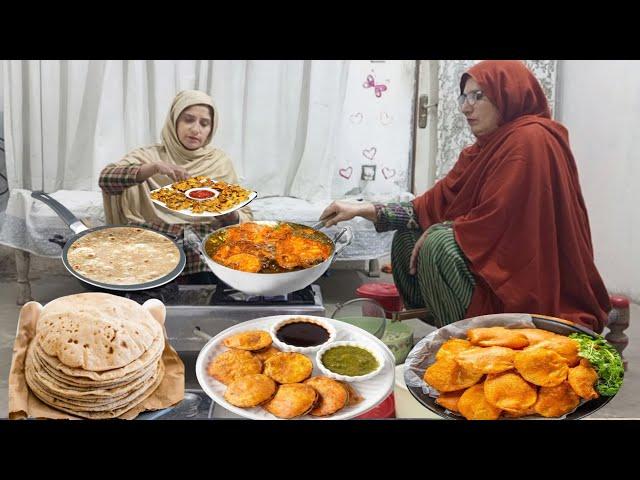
(338, 287)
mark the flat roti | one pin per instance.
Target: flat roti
(123, 256)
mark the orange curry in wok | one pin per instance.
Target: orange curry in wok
(256, 248)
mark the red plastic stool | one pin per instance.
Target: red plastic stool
(386, 409)
(386, 294)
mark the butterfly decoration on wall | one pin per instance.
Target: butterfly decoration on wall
(377, 87)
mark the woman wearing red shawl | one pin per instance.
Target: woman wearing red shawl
(507, 229)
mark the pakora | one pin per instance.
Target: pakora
(250, 390)
(541, 366)
(497, 337)
(582, 379)
(292, 400)
(446, 375)
(535, 335)
(449, 400)
(566, 347)
(474, 406)
(266, 353)
(509, 391)
(452, 347)
(486, 360)
(233, 364)
(252, 340)
(333, 396)
(288, 367)
(556, 401)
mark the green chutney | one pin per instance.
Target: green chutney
(351, 361)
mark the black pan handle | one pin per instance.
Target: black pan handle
(63, 212)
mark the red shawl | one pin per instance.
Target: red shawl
(518, 212)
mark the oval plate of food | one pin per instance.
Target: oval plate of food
(513, 366)
(243, 371)
(201, 197)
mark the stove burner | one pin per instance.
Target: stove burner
(225, 295)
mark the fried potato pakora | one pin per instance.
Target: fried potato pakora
(556, 401)
(292, 400)
(566, 347)
(251, 340)
(582, 379)
(509, 391)
(497, 337)
(541, 366)
(333, 396)
(250, 390)
(474, 406)
(449, 400)
(233, 364)
(288, 367)
(535, 335)
(354, 397)
(486, 360)
(266, 353)
(452, 347)
(446, 375)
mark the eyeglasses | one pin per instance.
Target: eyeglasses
(471, 98)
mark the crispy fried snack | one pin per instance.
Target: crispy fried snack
(446, 375)
(288, 367)
(354, 397)
(452, 347)
(333, 396)
(449, 400)
(233, 364)
(509, 391)
(497, 337)
(251, 340)
(556, 401)
(565, 346)
(582, 379)
(541, 366)
(266, 353)
(486, 360)
(519, 413)
(250, 390)
(535, 335)
(474, 406)
(292, 400)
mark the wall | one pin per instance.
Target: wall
(599, 102)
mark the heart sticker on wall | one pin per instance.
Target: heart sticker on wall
(356, 118)
(370, 153)
(388, 172)
(346, 172)
(385, 118)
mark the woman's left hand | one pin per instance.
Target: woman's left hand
(413, 262)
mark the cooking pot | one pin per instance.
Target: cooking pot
(271, 284)
(80, 230)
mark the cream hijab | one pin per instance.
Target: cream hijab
(134, 205)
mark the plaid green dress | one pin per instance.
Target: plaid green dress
(443, 282)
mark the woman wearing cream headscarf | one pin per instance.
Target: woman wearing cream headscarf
(184, 152)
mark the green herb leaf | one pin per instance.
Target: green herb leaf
(605, 359)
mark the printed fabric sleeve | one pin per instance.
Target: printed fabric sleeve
(395, 216)
(114, 179)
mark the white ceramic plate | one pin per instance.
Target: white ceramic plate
(188, 214)
(374, 390)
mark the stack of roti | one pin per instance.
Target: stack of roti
(95, 355)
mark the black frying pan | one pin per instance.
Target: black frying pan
(552, 324)
(80, 230)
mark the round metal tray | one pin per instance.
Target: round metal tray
(555, 325)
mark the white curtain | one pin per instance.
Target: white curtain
(66, 120)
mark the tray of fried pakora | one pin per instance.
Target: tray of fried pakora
(242, 370)
(513, 366)
(202, 197)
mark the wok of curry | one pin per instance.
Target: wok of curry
(262, 248)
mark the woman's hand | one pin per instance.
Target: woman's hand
(413, 262)
(228, 219)
(340, 211)
(175, 172)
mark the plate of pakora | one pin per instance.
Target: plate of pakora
(513, 366)
(242, 370)
(202, 197)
